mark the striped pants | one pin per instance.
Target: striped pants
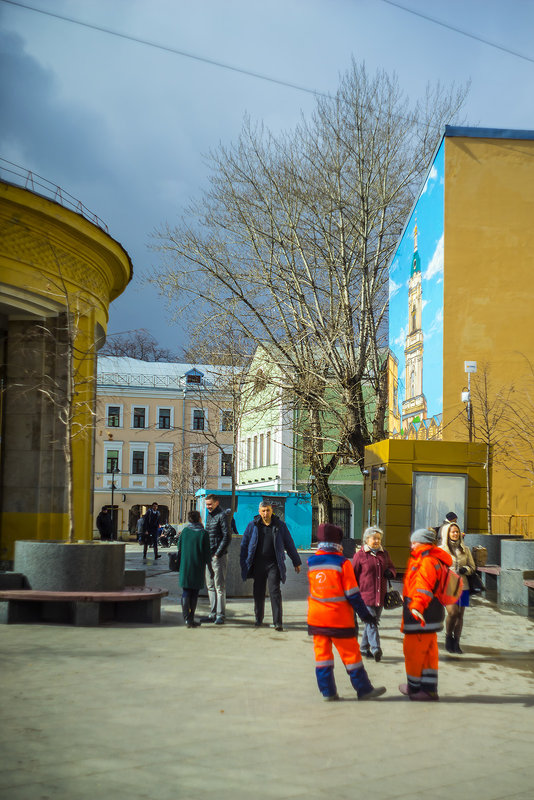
(349, 651)
(421, 660)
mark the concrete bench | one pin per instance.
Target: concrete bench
(131, 604)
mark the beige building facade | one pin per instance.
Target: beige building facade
(163, 431)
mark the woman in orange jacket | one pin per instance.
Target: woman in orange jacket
(333, 599)
(422, 615)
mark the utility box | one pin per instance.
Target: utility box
(411, 484)
(294, 508)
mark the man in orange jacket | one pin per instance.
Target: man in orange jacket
(334, 596)
(422, 615)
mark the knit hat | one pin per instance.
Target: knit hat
(451, 516)
(423, 536)
(329, 533)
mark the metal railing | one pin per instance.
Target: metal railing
(513, 524)
(27, 179)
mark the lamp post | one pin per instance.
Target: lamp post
(114, 471)
(469, 367)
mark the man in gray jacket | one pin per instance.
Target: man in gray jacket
(220, 536)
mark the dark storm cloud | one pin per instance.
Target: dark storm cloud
(62, 138)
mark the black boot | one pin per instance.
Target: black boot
(449, 643)
(457, 648)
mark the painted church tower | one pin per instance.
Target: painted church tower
(414, 406)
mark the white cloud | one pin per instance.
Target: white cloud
(435, 267)
(432, 175)
(400, 341)
(436, 326)
(393, 288)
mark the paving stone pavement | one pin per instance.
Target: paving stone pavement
(161, 712)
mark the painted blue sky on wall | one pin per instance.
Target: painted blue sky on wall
(429, 215)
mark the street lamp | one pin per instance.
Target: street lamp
(114, 471)
(469, 367)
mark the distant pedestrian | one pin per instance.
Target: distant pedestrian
(265, 542)
(139, 529)
(151, 530)
(373, 568)
(464, 564)
(194, 557)
(220, 537)
(450, 516)
(333, 599)
(233, 526)
(422, 615)
(104, 523)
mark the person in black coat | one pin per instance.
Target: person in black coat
(151, 530)
(104, 523)
(265, 542)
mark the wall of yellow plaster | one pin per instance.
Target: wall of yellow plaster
(401, 458)
(489, 264)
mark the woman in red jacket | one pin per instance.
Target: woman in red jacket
(372, 568)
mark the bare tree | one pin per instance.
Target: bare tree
(520, 419)
(136, 344)
(291, 243)
(491, 408)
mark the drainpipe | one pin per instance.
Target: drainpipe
(183, 454)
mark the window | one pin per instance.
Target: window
(197, 463)
(139, 417)
(114, 416)
(227, 420)
(138, 462)
(255, 453)
(268, 448)
(164, 418)
(163, 463)
(260, 460)
(112, 461)
(198, 419)
(226, 465)
(248, 453)
(193, 379)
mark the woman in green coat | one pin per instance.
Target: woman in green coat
(194, 555)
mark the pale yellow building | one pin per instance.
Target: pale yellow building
(163, 431)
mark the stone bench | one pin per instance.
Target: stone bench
(131, 604)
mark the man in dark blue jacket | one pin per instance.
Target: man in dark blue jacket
(262, 557)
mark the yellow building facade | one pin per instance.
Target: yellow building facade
(472, 229)
(59, 271)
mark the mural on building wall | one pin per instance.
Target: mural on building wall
(416, 316)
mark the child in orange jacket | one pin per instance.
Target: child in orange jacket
(422, 615)
(334, 596)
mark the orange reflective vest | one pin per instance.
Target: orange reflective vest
(334, 595)
(420, 582)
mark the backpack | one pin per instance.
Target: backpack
(448, 587)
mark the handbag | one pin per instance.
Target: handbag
(392, 598)
(475, 583)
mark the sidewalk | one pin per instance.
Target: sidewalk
(233, 713)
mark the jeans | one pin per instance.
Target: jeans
(371, 637)
(189, 603)
(216, 586)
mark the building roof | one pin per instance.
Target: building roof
(125, 371)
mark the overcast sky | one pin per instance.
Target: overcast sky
(124, 126)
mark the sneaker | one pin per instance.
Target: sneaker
(403, 689)
(376, 692)
(192, 624)
(258, 623)
(219, 620)
(367, 653)
(158, 556)
(377, 655)
(329, 698)
(277, 627)
(209, 618)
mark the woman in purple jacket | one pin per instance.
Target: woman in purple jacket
(372, 567)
